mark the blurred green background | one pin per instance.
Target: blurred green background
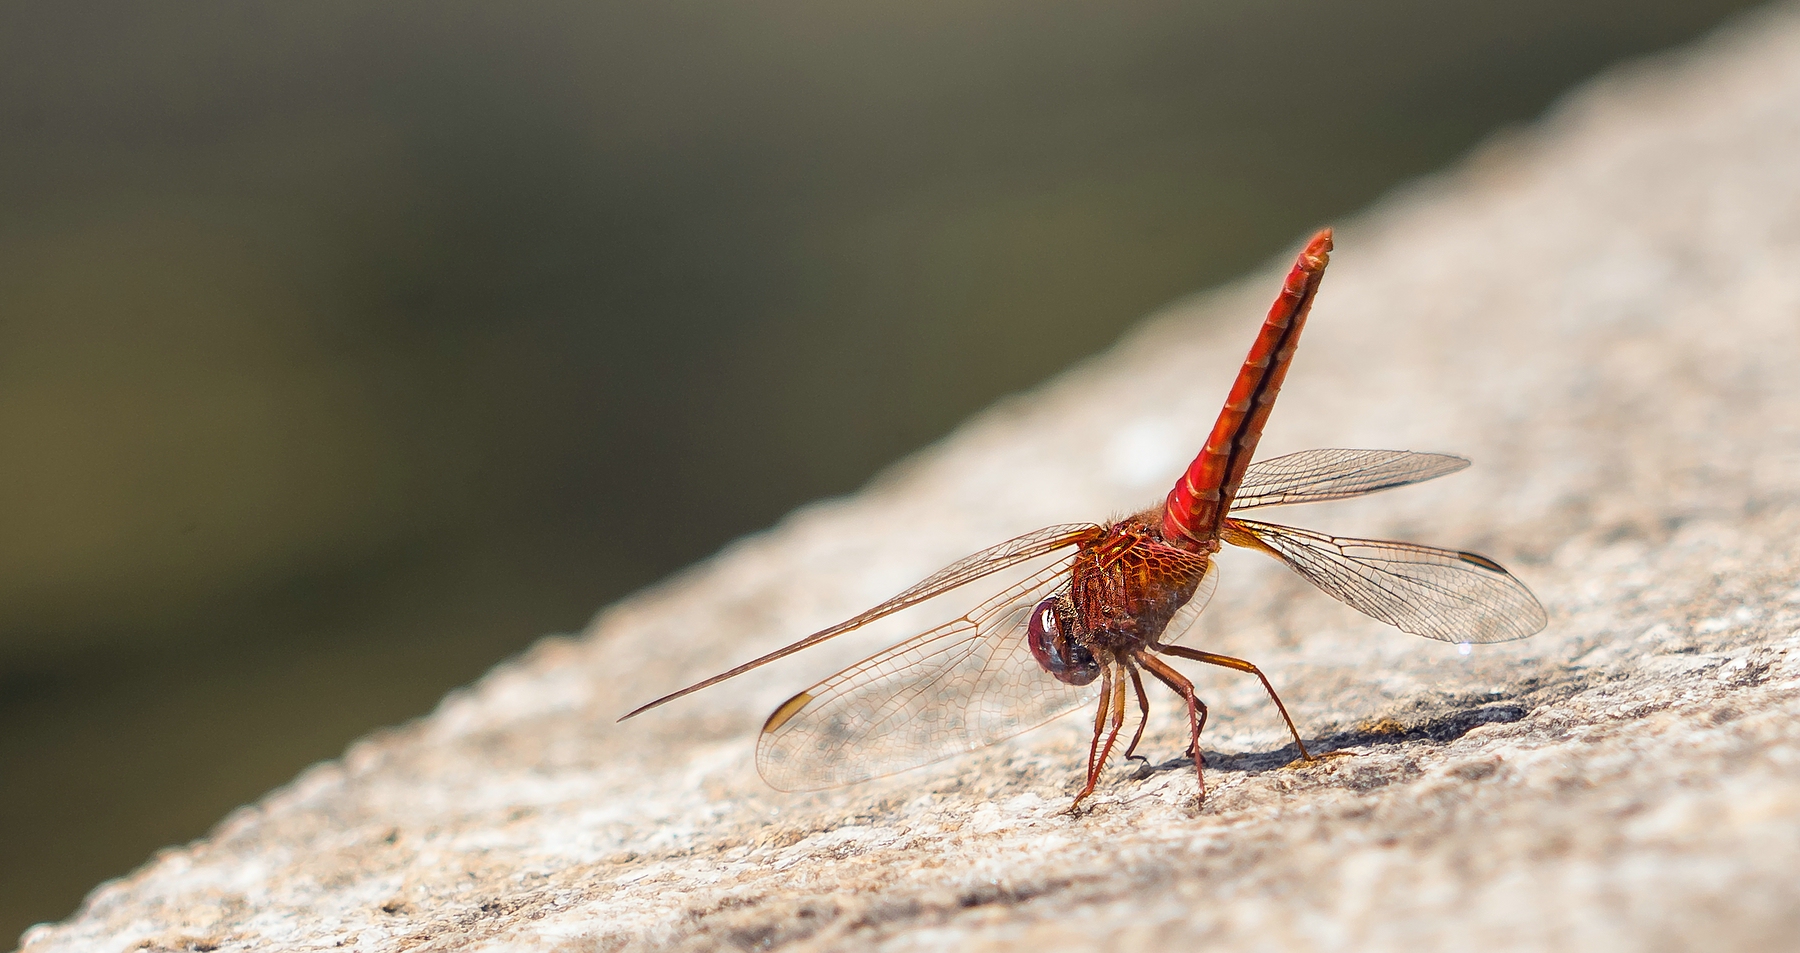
(345, 348)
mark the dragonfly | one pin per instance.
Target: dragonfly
(1100, 604)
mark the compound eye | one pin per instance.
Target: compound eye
(1056, 653)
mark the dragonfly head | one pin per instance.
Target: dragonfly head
(1054, 647)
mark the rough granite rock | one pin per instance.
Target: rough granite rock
(1603, 311)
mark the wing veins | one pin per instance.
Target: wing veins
(968, 626)
(1315, 476)
(855, 723)
(1419, 589)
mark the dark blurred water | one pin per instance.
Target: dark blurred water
(345, 348)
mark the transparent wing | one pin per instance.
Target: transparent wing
(958, 687)
(1437, 593)
(1182, 622)
(1313, 476)
(1014, 551)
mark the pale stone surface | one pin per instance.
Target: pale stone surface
(1603, 312)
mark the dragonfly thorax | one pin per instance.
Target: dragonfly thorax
(1125, 587)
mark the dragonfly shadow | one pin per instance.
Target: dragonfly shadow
(1444, 726)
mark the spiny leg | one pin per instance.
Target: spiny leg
(1238, 664)
(1118, 719)
(1099, 727)
(1137, 682)
(1116, 704)
(1179, 684)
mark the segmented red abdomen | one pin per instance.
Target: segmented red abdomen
(1196, 507)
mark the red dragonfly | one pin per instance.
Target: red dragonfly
(1106, 600)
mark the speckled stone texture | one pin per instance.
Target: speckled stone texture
(1603, 311)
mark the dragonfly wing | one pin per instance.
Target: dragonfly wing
(1313, 476)
(963, 685)
(1019, 549)
(1182, 622)
(1437, 593)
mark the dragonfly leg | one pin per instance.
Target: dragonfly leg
(1099, 728)
(1238, 664)
(1112, 702)
(1143, 700)
(1179, 684)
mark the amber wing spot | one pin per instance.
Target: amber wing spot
(788, 709)
(1482, 561)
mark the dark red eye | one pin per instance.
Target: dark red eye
(1055, 652)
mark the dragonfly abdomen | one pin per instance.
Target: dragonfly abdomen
(1197, 505)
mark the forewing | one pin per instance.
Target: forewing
(1019, 549)
(1313, 476)
(960, 686)
(1437, 593)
